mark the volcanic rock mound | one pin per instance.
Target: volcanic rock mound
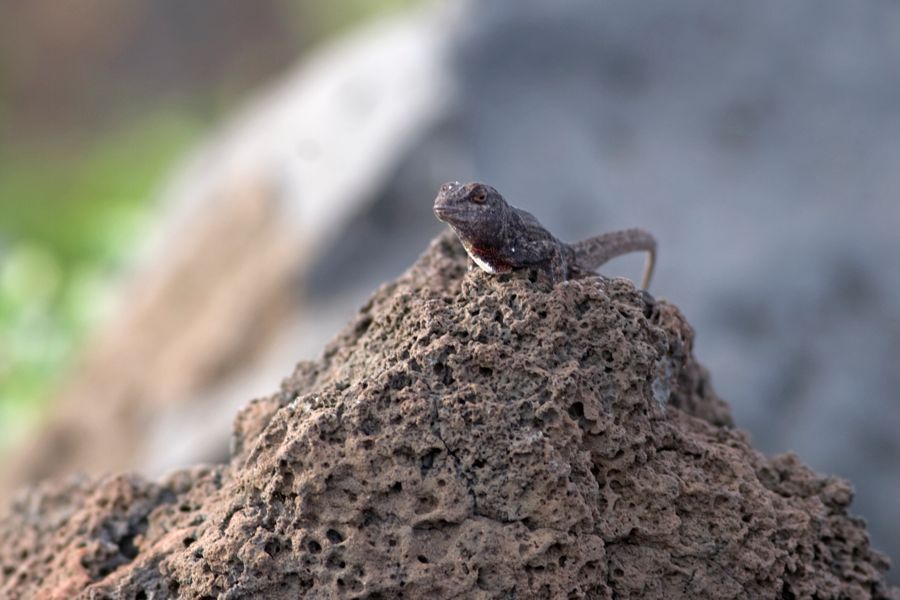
(467, 436)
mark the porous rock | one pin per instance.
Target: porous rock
(467, 436)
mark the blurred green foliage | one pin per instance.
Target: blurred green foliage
(331, 17)
(72, 213)
(68, 221)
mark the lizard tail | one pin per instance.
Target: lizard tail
(595, 251)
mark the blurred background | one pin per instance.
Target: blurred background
(194, 196)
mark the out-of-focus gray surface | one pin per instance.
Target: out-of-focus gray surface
(760, 141)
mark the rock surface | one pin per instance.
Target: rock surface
(473, 437)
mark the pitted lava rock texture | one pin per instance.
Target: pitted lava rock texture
(467, 436)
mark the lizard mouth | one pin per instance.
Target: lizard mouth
(444, 212)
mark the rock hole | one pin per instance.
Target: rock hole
(586, 356)
(363, 325)
(422, 559)
(427, 460)
(334, 536)
(188, 541)
(314, 546)
(397, 487)
(335, 562)
(576, 411)
(486, 371)
(444, 372)
(141, 595)
(370, 518)
(127, 547)
(398, 381)
(425, 504)
(498, 317)
(786, 592)
(272, 548)
(370, 426)
(581, 308)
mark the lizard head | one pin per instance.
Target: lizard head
(477, 212)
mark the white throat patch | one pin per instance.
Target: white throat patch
(479, 261)
(484, 266)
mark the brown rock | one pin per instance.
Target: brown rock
(467, 436)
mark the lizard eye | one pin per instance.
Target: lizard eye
(479, 196)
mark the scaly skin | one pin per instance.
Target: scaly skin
(500, 237)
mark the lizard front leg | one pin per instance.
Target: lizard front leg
(561, 262)
(544, 253)
(559, 268)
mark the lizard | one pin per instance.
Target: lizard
(500, 237)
